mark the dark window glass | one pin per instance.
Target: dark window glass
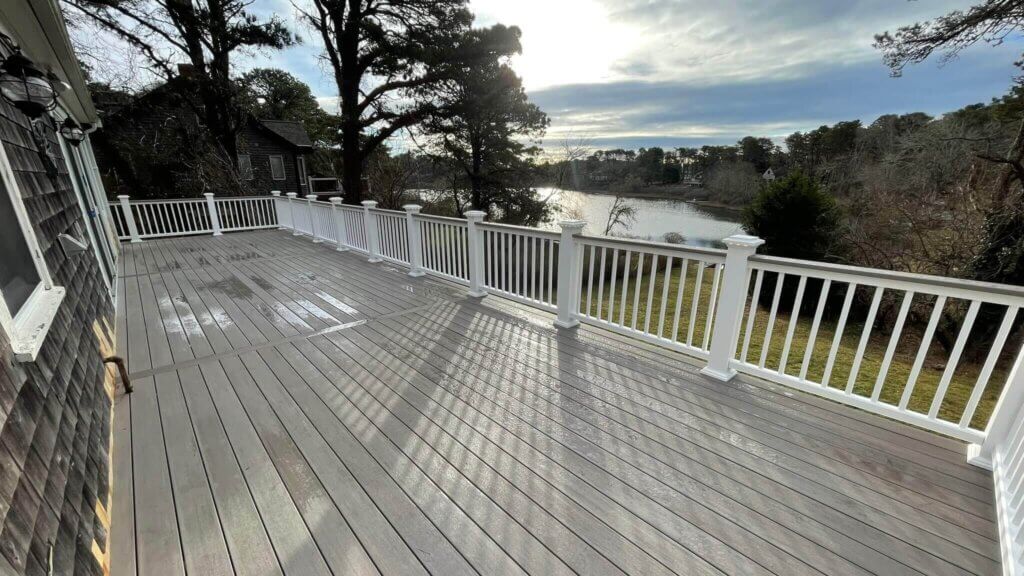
(277, 167)
(18, 273)
(245, 167)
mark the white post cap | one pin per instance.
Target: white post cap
(369, 203)
(275, 192)
(208, 194)
(572, 224)
(335, 199)
(291, 194)
(123, 196)
(311, 196)
(743, 241)
(414, 208)
(475, 215)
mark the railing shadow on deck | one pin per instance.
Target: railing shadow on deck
(938, 353)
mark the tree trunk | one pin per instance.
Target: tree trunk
(348, 87)
(476, 178)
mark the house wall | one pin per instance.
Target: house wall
(55, 413)
(260, 146)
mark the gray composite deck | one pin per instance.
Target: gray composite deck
(301, 411)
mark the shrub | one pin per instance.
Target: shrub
(796, 218)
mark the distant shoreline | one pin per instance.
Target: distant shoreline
(678, 193)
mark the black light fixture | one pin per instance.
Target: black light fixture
(25, 86)
(72, 132)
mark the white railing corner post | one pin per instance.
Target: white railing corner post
(568, 286)
(415, 244)
(339, 224)
(211, 206)
(476, 253)
(278, 209)
(729, 312)
(291, 212)
(1009, 409)
(129, 218)
(310, 198)
(370, 225)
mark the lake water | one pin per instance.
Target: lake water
(654, 219)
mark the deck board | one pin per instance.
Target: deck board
(302, 411)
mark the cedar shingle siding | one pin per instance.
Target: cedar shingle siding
(260, 146)
(55, 412)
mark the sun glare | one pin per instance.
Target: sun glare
(564, 42)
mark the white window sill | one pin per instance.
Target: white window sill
(32, 325)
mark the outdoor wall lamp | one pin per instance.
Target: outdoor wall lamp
(24, 85)
(72, 132)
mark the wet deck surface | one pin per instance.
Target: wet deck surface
(301, 411)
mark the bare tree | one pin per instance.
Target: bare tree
(621, 213)
(203, 33)
(383, 54)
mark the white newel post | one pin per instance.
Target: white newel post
(312, 220)
(129, 218)
(1009, 409)
(415, 245)
(568, 288)
(278, 209)
(370, 225)
(291, 212)
(211, 206)
(476, 253)
(339, 224)
(730, 306)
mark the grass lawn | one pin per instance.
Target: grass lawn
(628, 306)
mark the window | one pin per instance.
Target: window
(277, 167)
(245, 167)
(301, 161)
(30, 300)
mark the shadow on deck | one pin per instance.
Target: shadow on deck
(300, 411)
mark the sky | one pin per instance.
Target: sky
(634, 73)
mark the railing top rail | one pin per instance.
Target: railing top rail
(449, 219)
(525, 230)
(879, 276)
(387, 211)
(714, 254)
(160, 201)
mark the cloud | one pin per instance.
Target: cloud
(634, 113)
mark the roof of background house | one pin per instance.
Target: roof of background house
(289, 130)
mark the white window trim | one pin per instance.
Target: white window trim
(27, 330)
(284, 172)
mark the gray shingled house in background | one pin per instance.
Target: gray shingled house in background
(135, 149)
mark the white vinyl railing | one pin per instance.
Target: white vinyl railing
(621, 292)
(939, 353)
(141, 219)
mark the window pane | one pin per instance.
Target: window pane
(245, 166)
(18, 273)
(277, 167)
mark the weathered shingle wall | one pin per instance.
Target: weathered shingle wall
(55, 412)
(260, 147)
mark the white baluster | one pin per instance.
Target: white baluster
(372, 236)
(476, 253)
(730, 306)
(291, 212)
(129, 218)
(214, 219)
(312, 218)
(415, 244)
(568, 282)
(339, 223)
